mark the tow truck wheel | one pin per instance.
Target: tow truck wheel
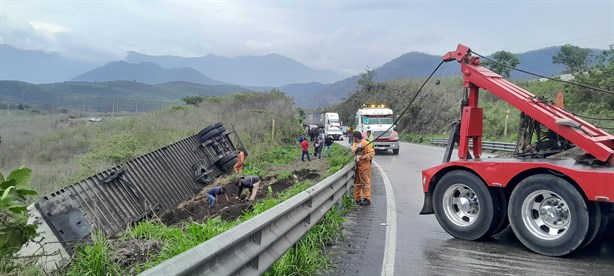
(465, 207)
(549, 215)
(595, 219)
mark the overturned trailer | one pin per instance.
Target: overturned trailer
(113, 199)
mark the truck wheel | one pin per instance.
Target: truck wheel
(221, 129)
(230, 163)
(548, 215)
(603, 227)
(205, 130)
(209, 135)
(220, 163)
(395, 151)
(500, 201)
(465, 207)
(596, 219)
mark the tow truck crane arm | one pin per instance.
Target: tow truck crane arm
(589, 138)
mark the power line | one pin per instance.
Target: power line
(592, 118)
(553, 42)
(541, 76)
(558, 80)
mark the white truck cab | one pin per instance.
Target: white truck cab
(332, 125)
(379, 119)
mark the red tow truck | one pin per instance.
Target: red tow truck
(556, 193)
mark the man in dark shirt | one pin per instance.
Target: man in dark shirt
(328, 143)
(214, 192)
(250, 182)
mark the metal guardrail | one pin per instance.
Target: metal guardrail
(500, 146)
(253, 246)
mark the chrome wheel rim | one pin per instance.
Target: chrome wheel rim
(546, 215)
(461, 205)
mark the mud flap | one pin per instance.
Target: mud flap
(427, 208)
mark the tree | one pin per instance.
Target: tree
(573, 57)
(193, 100)
(366, 78)
(503, 58)
(599, 75)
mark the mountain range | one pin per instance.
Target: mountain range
(37, 66)
(145, 72)
(205, 75)
(267, 70)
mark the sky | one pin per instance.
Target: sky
(344, 36)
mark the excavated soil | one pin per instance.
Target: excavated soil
(196, 208)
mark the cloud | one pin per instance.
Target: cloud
(48, 29)
(344, 36)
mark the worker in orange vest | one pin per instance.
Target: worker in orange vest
(240, 161)
(364, 153)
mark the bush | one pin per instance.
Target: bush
(94, 259)
(14, 228)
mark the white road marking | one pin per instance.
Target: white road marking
(391, 228)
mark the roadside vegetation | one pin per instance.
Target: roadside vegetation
(62, 148)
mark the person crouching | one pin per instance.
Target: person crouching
(214, 192)
(251, 183)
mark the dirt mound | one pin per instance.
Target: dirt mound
(233, 211)
(307, 174)
(129, 252)
(281, 185)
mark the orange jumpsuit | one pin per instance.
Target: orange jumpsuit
(362, 179)
(239, 165)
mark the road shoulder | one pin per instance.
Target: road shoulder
(362, 252)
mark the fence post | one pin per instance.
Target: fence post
(273, 130)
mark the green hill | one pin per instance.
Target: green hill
(105, 96)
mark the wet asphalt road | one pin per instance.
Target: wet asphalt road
(424, 248)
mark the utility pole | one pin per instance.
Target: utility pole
(113, 110)
(137, 108)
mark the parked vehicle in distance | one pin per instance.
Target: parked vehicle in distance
(332, 125)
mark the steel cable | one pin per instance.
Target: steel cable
(541, 76)
(405, 110)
